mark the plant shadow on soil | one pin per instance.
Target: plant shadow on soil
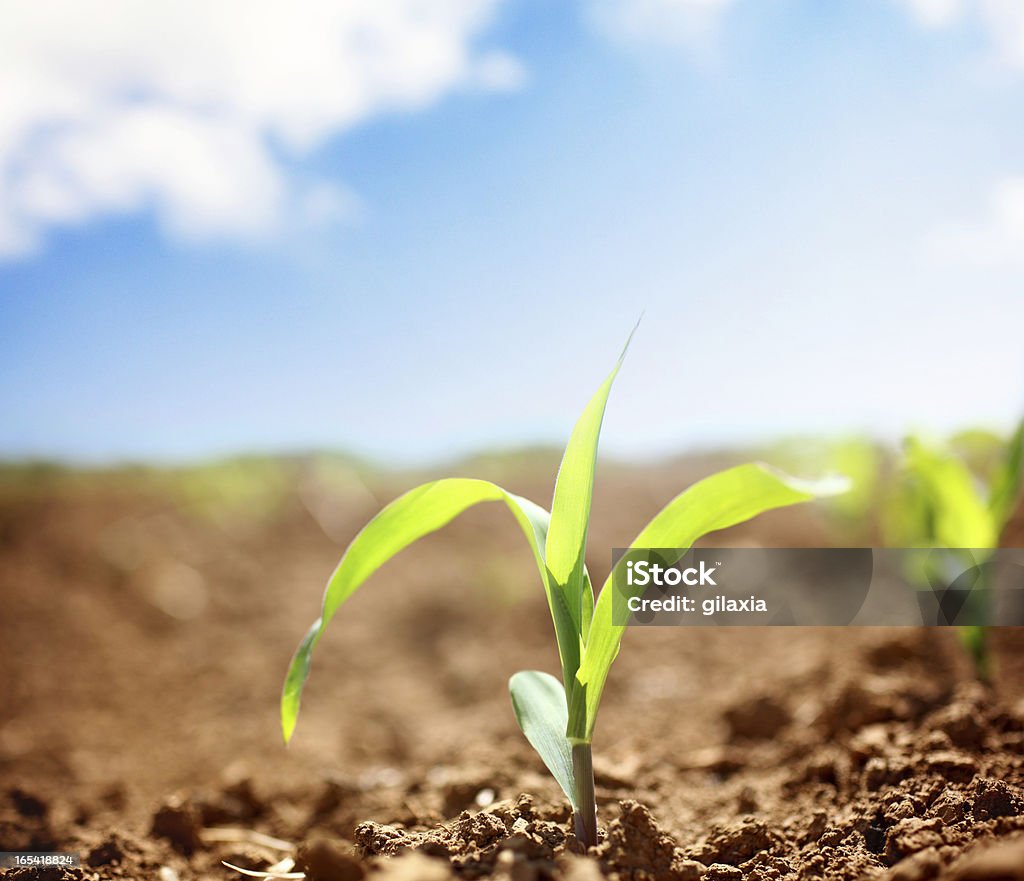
(143, 639)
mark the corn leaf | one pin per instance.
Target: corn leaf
(1006, 486)
(570, 518)
(719, 501)
(538, 700)
(960, 516)
(410, 517)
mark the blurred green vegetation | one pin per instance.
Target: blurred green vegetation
(852, 515)
(957, 492)
(960, 495)
(226, 491)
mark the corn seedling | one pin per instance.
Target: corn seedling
(959, 497)
(557, 717)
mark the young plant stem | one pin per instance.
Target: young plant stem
(975, 640)
(975, 637)
(586, 816)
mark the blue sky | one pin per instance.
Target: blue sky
(439, 243)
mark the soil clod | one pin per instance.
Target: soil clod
(179, 823)
(324, 860)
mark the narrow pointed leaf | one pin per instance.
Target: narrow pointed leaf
(538, 700)
(413, 515)
(717, 502)
(574, 490)
(570, 517)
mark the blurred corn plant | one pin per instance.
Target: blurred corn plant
(959, 497)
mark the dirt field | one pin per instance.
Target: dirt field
(144, 634)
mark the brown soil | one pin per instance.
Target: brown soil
(142, 645)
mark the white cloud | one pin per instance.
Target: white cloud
(687, 23)
(1001, 20)
(994, 240)
(200, 110)
(935, 13)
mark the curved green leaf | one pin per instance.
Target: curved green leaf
(413, 515)
(717, 502)
(538, 700)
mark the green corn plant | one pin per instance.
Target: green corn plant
(960, 495)
(557, 718)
